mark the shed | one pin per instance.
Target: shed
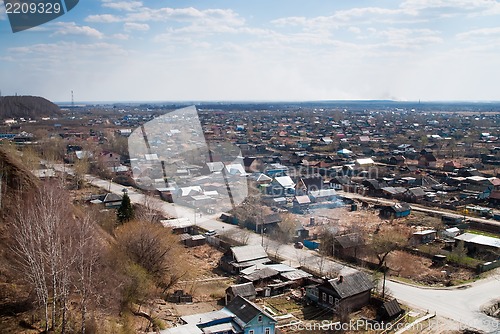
(390, 310)
(423, 237)
(246, 290)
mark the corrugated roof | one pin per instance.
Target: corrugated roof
(186, 329)
(303, 199)
(261, 274)
(244, 290)
(479, 239)
(295, 275)
(203, 318)
(323, 193)
(285, 181)
(248, 253)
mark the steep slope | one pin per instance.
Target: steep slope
(27, 107)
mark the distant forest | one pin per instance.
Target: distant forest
(27, 107)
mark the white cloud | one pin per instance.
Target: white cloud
(354, 30)
(451, 8)
(410, 38)
(479, 33)
(408, 51)
(67, 50)
(190, 15)
(71, 28)
(103, 18)
(128, 6)
(131, 26)
(122, 37)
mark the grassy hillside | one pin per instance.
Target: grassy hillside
(27, 107)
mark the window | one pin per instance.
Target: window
(268, 330)
(250, 331)
(324, 297)
(260, 318)
(330, 299)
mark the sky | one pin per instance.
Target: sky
(273, 50)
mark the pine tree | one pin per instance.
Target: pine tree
(125, 212)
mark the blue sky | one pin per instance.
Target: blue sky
(118, 50)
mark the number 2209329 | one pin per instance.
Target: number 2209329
(33, 8)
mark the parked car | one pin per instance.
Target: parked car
(210, 233)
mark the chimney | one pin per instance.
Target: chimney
(341, 279)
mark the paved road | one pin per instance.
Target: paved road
(460, 305)
(420, 208)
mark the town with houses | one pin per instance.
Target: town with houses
(300, 214)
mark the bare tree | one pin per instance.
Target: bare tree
(43, 247)
(87, 257)
(80, 168)
(155, 249)
(387, 241)
(149, 210)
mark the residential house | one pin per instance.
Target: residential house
(374, 186)
(393, 192)
(269, 223)
(235, 169)
(301, 203)
(251, 164)
(166, 193)
(427, 160)
(397, 210)
(240, 316)
(450, 166)
(322, 195)
(112, 201)
(282, 186)
(347, 246)
(109, 159)
(212, 167)
(414, 195)
(397, 160)
(337, 182)
(305, 185)
(262, 179)
(250, 318)
(276, 169)
(364, 162)
(349, 292)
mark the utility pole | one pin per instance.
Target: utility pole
(383, 283)
(261, 229)
(1, 180)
